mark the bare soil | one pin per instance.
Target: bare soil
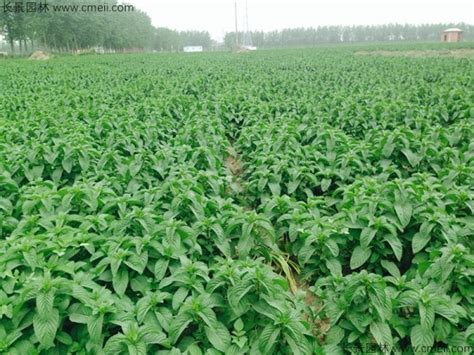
(453, 53)
(39, 55)
(233, 165)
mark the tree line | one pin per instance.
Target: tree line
(62, 28)
(170, 40)
(295, 37)
(67, 30)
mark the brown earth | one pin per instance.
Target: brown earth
(233, 164)
(39, 55)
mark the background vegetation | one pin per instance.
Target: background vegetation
(70, 31)
(301, 201)
(302, 37)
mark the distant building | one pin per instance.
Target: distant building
(192, 49)
(452, 35)
(249, 48)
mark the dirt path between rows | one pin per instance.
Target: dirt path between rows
(234, 165)
(319, 327)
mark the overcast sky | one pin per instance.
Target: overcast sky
(217, 16)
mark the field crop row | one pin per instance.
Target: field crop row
(287, 202)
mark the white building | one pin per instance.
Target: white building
(192, 49)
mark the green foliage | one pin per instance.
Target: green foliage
(67, 25)
(312, 36)
(287, 202)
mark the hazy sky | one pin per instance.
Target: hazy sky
(217, 16)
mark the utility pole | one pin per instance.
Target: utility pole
(236, 27)
(247, 41)
(246, 16)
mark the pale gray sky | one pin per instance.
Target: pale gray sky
(217, 16)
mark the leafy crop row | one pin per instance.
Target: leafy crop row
(289, 202)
